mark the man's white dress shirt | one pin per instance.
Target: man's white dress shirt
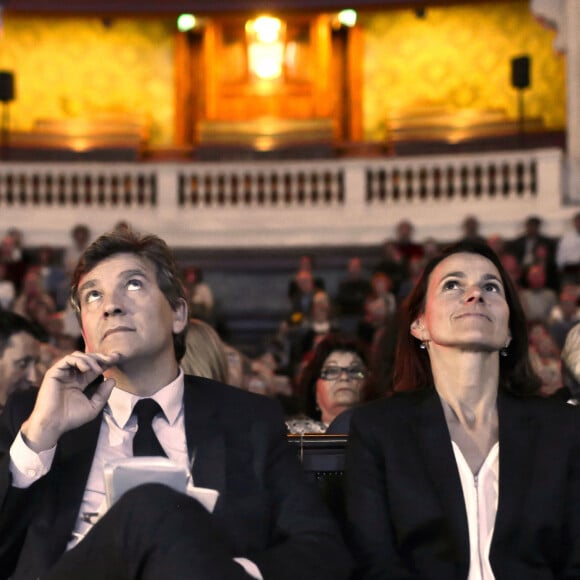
(115, 441)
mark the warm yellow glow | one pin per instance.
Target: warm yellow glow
(265, 47)
(267, 29)
(186, 22)
(347, 17)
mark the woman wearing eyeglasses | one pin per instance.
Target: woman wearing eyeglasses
(330, 384)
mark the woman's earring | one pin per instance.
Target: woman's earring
(423, 345)
(503, 352)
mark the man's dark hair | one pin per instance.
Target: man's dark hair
(149, 247)
(12, 323)
(412, 366)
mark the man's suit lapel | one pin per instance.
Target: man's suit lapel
(437, 455)
(205, 442)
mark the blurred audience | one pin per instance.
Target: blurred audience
(568, 253)
(470, 230)
(353, 290)
(404, 242)
(205, 355)
(565, 314)
(7, 289)
(201, 300)
(545, 358)
(570, 391)
(392, 264)
(305, 264)
(524, 247)
(537, 299)
(80, 236)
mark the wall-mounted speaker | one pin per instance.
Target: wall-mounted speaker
(521, 72)
(6, 86)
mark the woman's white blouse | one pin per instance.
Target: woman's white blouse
(480, 493)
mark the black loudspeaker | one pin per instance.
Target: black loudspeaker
(6, 86)
(521, 72)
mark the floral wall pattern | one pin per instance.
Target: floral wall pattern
(453, 58)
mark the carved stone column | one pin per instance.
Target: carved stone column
(564, 16)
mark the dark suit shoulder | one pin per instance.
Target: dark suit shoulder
(549, 409)
(231, 398)
(393, 408)
(20, 405)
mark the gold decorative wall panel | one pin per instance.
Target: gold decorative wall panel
(458, 59)
(453, 59)
(78, 68)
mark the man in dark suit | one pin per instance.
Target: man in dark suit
(532, 247)
(54, 523)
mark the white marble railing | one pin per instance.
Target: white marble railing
(286, 203)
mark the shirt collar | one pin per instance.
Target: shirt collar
(170, 399)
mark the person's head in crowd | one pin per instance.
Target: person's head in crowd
(413, 367)
(542, 342)
(20, 342)
(430, 248)
(391, 252)
(497, 243)
(321, 308)
(306, 262)
(12, 245)
(149, 251)
(568, 301)
(571, 361)
(470, 227)
(376, 312)
(122, 225)
(205, 355)
(532, 226)
(512, 268)
(404, 231)
(192, 275)
(304, 281)
(334, 379)
(536, 277)
(80, 235)
(354, 268)
(381, 284)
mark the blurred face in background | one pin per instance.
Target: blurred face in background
(19, 365)
(340, 384)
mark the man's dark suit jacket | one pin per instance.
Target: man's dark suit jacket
(406, 513)
(267, 511)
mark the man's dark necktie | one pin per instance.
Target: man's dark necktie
(145, 442)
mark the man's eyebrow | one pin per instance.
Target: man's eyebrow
(86, 285)
(124, 274)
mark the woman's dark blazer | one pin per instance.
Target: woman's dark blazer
(405, 509)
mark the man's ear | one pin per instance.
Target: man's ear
(180, 318)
